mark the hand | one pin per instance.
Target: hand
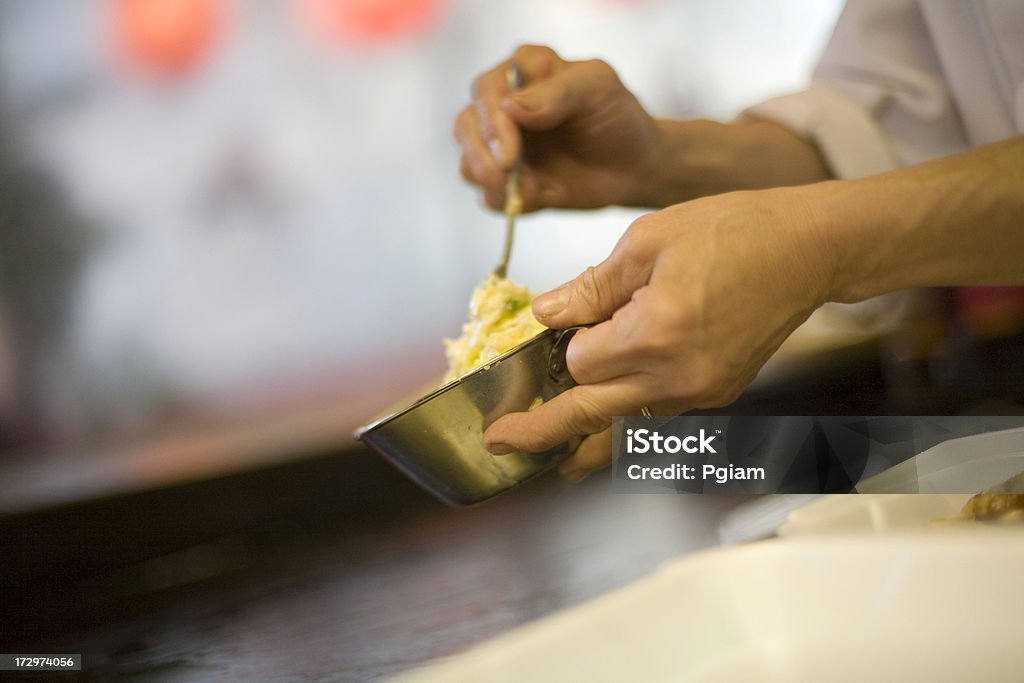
(689, 305)
(589, 142)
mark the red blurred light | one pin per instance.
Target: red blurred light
(992, 311)
(368, 20)
(167, 37)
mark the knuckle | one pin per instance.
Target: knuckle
(586, 416)
(577, 363)
(534, 442)
(601, 69)
(479, 86)
(592, 289)
(667, 333)
(646, 224)
(493, 199)
(659, 343)
(465, 170)
(490, 177)
(462, 123)
(474, 170)
(525, 50)
(640, 239)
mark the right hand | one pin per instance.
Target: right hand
(690, 304)
(589, 142)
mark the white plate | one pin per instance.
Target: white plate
(873, 512)
(970, 464)
(934, 608)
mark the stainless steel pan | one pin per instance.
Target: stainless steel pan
(438, 439)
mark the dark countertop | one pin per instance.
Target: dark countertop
(334, 567)
(330, 569)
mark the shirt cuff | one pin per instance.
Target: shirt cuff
(850, 141)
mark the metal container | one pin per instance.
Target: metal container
(438, 440)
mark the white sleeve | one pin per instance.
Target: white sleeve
(878, 99)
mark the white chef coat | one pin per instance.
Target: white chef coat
(904, 81)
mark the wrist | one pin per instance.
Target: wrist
(698, 157)
(685, 160)
(949, 222)
(862, 228)
(655, 174)
(831, 226)
(805, 227)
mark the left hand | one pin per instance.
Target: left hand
(689, 305)
(591, 142)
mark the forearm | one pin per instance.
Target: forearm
(699, 157)
(958, 220)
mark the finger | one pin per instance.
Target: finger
(670, 407)
(580, 87)
(536, 61)
(541, 190)
(582, 410)
(538, 190)
(465, 171)
(613, 348)
(593, 454)
(498, 129)
(477, 165)
(595, 294)
(494, 197)
(495, 126)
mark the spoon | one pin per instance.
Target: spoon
(513, 194)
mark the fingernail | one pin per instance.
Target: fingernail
(499, 448)
(552, 303)
(497, 149)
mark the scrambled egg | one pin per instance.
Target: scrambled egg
(499, 319)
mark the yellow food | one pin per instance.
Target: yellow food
(499, 319)
(1001, 504)
(1002, 508)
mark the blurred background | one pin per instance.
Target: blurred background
(229, 230)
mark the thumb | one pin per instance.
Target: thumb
(548, 103)
(592, 296)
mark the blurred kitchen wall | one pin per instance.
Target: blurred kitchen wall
(262, 198)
